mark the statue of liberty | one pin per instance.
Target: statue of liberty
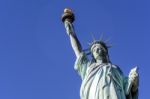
(100, 78)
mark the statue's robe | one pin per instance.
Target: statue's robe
(102, 81)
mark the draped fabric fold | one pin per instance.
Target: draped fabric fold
(102, 81)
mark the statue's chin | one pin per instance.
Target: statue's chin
(98, 58)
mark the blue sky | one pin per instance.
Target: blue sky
(36, 58)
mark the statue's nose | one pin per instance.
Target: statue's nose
(98, 50)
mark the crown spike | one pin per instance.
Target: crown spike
(93, 37)
(89, 43)
(101, 37)
(107, 40)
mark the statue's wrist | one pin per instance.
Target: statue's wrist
(68, 17)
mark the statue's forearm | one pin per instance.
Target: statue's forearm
(73, 38)
(128, 86)
(69, 27)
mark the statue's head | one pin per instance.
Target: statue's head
(99, 50)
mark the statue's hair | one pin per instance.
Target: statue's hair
(103, 44)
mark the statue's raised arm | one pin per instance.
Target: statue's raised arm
(68, 18)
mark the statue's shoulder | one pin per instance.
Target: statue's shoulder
(91, 63)
(116, 67)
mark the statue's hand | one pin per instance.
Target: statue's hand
(133, 73)
(134, 77)
(68, 15)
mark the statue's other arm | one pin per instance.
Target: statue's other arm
(132, 84)
(68, 18)
(134, 78)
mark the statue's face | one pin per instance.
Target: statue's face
(97, 51)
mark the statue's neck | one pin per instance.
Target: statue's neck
(102, 60)
(99, 61)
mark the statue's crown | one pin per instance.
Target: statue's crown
(102, 43)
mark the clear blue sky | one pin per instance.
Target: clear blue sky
(36, 58)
